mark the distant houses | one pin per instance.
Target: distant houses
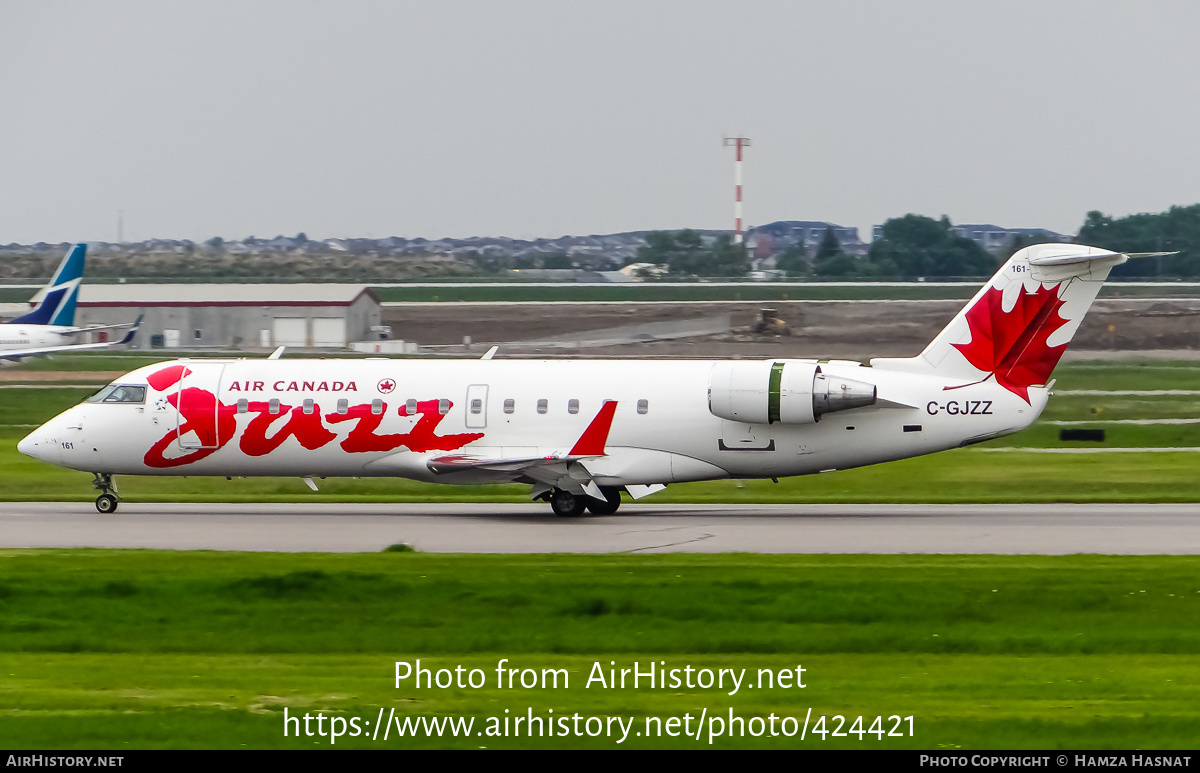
(767, 240)
(588, 254)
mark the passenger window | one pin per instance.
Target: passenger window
(243, 406)
(543, 406)
(410, 407)
(643, 406)
(308, 405)
(476, 405)
(572, 406)
(377, 406)
(510, 405)
(443, 406)
(273, 406)
(343, 406)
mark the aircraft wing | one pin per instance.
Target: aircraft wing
(549, 470)
(441, 465)
(18, 354)
(70, 331)
(545, 472)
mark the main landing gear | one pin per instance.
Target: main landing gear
(107, 501)
(569, 505)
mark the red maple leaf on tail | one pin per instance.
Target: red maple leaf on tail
(1012, 345)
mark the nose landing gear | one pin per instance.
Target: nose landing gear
(107, 501)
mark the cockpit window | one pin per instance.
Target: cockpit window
(120, 393)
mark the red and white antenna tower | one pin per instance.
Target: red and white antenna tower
(739, 143)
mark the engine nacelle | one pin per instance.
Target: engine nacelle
(788, 392)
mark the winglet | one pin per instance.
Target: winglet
(275, 355)
(591, 442)
(129, 334)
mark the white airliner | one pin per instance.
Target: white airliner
(51, 321)
(579, 431)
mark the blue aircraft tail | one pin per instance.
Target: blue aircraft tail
(57, 306)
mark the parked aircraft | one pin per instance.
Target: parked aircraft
(44, 328)
(580, 432)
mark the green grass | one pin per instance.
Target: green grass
(137, 649)
(1133, 374)
(113, 361)
(965, 475)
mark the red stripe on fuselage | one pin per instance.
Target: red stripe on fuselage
(591, 442)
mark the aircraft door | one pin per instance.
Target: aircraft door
(197, 398)
(477, 406)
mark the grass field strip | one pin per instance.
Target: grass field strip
(1081, 422)
(1031, 450)
(1127, 392)
(191, 649)
(54, 385)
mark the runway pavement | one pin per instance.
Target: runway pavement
(638, 527)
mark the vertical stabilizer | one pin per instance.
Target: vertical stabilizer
(57, 304)
(1017, 327)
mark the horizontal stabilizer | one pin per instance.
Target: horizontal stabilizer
(1060, 260)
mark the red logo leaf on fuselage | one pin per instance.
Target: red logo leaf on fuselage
(1012, 345)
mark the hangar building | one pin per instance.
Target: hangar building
(235, 316)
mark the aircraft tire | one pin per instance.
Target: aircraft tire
(608, 505)
(106, 503)
(567, 505)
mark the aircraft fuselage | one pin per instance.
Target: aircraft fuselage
(390, 417)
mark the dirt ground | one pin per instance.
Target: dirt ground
(1114, 329)
(845, 330)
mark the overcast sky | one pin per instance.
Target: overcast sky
(527, 119)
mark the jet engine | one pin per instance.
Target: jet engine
(788, 392)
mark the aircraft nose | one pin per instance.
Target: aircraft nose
(38, 445)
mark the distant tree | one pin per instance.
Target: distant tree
(794, 261)
(557, 260)
(1177, 229)
(728, 259)
(214, 245)
(1020, 242)
(689, 257)
(923, 247)
(839, 265)
(685, 254)
(881, 268)
(659, 247)
(829, 247)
